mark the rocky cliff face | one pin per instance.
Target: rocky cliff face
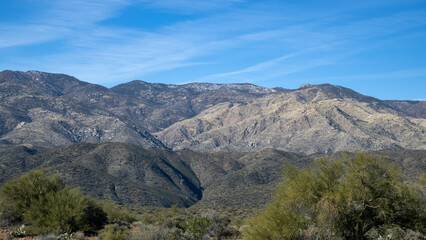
(53, 110)
(312, 119)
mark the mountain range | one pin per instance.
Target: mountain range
(199, 143)
(56, 110)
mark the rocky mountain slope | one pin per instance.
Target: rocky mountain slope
(127, 173)
(35, 109)
(321, 118)
(54, 110)
(161, 105)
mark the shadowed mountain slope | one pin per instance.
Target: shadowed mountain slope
(128, 173)
(415, 109)
(120, 172)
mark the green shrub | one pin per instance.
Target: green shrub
(66, 211)
(190, 226)
(116, 214)
(219, 227)
(18, 195)
(197, 227)
(48, 205)
(156, 232)
(114, 232)
(165, 213)
(177, 223)
(340, 199)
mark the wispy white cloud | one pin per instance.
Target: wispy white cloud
(270, 63)
(276, 68)
(102, 54)
(12, 36)
(295, 39)
(81, 13)
(62, 19)
(404, 75)
(316, 41)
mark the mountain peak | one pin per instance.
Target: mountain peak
(305, 85)
(35, 73)
(242, 87)
(310, 92)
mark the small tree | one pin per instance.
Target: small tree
(45, 202)
(66, 211)
(197, 227)
(115, 232)
(340, 199)
(18, 195)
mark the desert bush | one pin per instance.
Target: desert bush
(157, 232)
(197, 227)
(165, 213)
(47, 205)
(218, 226)
(18, 195)
(340, 199)
(114, 232)
(188, 226)
(116, 214)
(66, 211)
(63, 236)
(146, 218)
(175, 222)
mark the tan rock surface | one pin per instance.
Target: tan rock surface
(308, 120)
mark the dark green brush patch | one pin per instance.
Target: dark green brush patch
(130, 174)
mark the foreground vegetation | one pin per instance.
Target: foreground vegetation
(41, 204)
(364, 197)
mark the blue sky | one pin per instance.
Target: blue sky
(377, 48)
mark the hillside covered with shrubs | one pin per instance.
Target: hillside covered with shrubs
(354, 197)
(40, 204)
